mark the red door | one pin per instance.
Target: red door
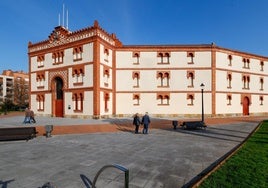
(246, 106)
(59, 108)
(58, 97)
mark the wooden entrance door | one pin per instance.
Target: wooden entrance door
(246, 106)
(58, 103)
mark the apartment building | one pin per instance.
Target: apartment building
(14, 87)
(89, 73)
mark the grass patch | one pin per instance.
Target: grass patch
(248, 167)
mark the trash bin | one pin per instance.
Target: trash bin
(48, 129)
(175, 124)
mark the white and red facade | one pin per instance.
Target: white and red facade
(91, 74)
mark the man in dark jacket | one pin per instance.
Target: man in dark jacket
(136, 122)
(145, 121)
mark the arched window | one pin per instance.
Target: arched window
(190, 56)
(190, 77)
(229, 99)
(261, 84)
(106, 55)
(136, 78)
(167, 56)
(58, 57)
(136, 56)
(77, 53)
(163, 58)
(229, 80)
(106, 99)
(78, 98)
(163, 98)
(246, 80)
(246, 63)
(40, 61)
(262, 65)
(40, 102)
(261, 100)
(190, 98)
(136, 99)
(78, 75)
(163, 79)
(106, 76)
(230, 60)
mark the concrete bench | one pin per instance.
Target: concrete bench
(17, 133)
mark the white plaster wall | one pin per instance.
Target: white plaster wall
(33, 82)
(68, 58)
(87, 56)
(202, 59)
(88, 52)
(33, 63)
(178, 104)
(254, 83)
(222, 106)
(148, 80)
(48, 62)
(68, 101)
(34, 103)
(88, 79)
(255, 65)
(237, 63)
(88, 103)
(48, 103)
(124, 59)
(256, 106)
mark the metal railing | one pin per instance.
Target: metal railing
(90, 184)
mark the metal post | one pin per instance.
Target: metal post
(202, 94)
(202, 105)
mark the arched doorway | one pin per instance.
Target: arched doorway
(245, 106)
(58, 97)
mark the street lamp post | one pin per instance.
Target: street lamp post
(202, 95)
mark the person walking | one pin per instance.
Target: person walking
(27, 118)
(136, 122)
(146, 122)
(32, 116)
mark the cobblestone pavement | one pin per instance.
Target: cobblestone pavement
(163, 158)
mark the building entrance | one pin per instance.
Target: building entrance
(246, 106)
(58, 97)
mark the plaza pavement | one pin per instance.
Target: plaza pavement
(163, 158)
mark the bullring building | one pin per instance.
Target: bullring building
(89, 73)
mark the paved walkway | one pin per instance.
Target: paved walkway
(163, 158)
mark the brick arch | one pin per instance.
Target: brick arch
(63, 74)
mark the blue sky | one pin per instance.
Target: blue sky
(235, 24)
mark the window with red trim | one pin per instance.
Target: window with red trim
(163, 78)
(77, 53)
(163, 98)
(40, 100)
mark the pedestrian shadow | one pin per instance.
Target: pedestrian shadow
(5, 183)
